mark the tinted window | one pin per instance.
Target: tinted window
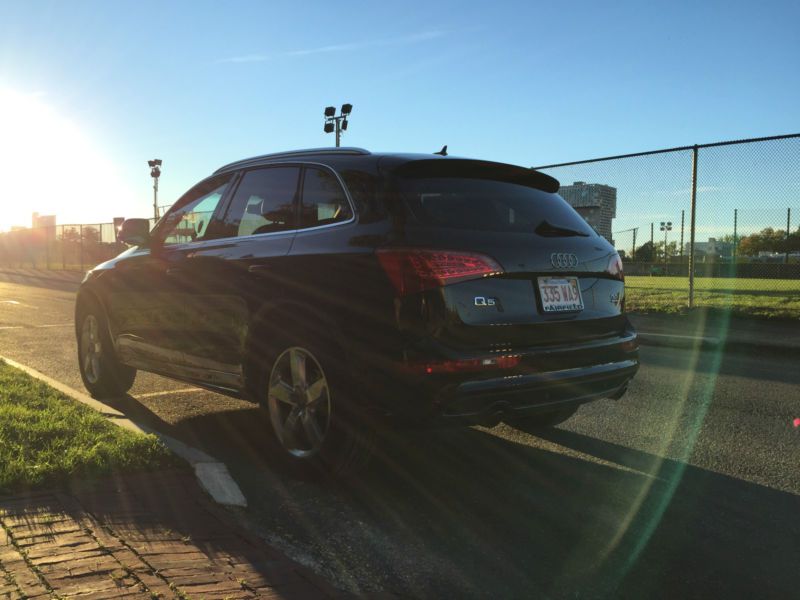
(324, 200)
(192, 217)
(265, 201)
(488, 205)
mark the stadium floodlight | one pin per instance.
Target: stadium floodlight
(337, 124)
(155, 173)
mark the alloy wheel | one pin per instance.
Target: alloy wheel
(299, 402)
(91, 348)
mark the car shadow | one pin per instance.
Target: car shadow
(476, 513)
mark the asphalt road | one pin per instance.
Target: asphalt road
(687, 487)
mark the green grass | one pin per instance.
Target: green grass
(47, 438)
(773, 298)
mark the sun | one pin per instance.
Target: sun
(49, 164)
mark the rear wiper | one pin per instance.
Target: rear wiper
(546, 229)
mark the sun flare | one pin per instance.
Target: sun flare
(49, 164)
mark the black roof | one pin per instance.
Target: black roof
(411, 164)
(265, 158)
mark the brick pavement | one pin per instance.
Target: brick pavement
(143, 536)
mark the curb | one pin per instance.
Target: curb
(713, 343)
(212, 474)
(678, 341)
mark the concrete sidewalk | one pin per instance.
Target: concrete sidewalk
(150, 535)
(713, 329)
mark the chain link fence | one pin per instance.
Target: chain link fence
(713, 225)
(60, 247)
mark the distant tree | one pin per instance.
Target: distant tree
(672, 250)
(644, 253)
(91, 235)
(71, 234)
(766, 240)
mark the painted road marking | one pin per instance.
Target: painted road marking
(167, 392)
(36, 326)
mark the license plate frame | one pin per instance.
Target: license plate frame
(560, 294)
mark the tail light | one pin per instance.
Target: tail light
(615, 267)
(414, 270)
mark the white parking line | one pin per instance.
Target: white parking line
(36, 326)
(168, 392)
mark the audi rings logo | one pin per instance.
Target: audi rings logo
(562, 260)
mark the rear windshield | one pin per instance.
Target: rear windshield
(489, 205)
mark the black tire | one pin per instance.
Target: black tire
(541, 421)
(102, 374)
(348, 439)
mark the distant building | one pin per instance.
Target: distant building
(46, 222)
(595, 202)
(712, 247)
(38, 220)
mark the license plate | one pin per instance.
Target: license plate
(560, 294)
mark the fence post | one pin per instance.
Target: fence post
(788, 226)
(681, 248)
(735, 231)
(633, 254)
(692, 220)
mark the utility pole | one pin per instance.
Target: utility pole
(155, 173)
(338, 124)
(788, 225)
(693, 222)
(681, 235)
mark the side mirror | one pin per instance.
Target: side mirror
(135, 232)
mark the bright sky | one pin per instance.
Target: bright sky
(90, 90)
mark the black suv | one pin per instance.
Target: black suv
(342, 289)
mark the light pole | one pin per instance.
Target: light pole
(155, 173)
(338, 124)
(665, 227)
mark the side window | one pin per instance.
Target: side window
(324, 200)
(191, 219)
(265, 201)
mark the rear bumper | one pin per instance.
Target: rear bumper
(500, 397)
(546, 378)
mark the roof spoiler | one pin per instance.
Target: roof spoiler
(478, 169)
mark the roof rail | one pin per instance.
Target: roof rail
(291, 153)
